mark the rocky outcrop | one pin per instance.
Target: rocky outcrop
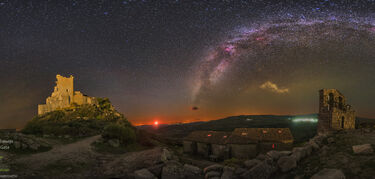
(362, 149)
(213, 171)
(262, 167)
(228, 173)
(286, 163)
(114, 143)
(251, 163)
(172, 170)
(19, 141)
(191, 171)
(144, 174)
(329, 174)
(263, 170)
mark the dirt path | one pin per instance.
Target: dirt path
(120, 165)
(79, 160)
(77, 151)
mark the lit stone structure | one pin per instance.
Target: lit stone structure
(334, 113)
(64, 96)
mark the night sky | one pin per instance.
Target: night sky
(180, 61)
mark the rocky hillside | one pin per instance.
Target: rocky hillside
(79, 121)
(346, 154)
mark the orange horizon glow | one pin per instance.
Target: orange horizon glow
(182, 120)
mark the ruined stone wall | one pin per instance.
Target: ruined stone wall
(203, 149)
(219, 150)
(334, 113)
(64, 96)
(244, 150)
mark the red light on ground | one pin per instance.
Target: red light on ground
(273, 146)
(209, 135)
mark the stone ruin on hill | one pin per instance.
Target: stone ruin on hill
(334, 112)
(64, 96)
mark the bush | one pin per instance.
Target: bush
(126, 135)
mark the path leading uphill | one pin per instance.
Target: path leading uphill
(79, 160)
(75, 151)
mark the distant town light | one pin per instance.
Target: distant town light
(156, 123)
(314, 120)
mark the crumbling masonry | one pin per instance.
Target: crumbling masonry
(64, 96)
(334, 113)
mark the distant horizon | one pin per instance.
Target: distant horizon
(193, 121)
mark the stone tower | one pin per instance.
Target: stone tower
(334, 113)
(64, 96)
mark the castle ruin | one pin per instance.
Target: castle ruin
(334, 113)
(64, 96)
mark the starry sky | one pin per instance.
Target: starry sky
(181, 61)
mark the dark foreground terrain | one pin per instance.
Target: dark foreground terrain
(329, 155)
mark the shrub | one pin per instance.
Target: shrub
(104, 104)
(33, 127)
(126, 135)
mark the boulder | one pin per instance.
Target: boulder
(34, 146)
(329, 174)
(43, 144)
(308, 149)
(298, 153)
(156, 169)
(273, 154)
(262, 170)
(24, 146)
(17, 144)
(212, 174)
(286, 163)
(239, 171)
(191, 171)
(28, 141)
(215, 167)
(251, 163)
(314, 145)
(285, 153)
(114, 142)
(324, 150)
(144, 174)
(366, 130)
(228, 173)
(319, 139)
(330, 140)
(165, 155)
(362, 149)
(261, 157)
(172, 170)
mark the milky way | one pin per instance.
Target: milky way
(251, 49)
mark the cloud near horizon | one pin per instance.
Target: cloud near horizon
(273, 87)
